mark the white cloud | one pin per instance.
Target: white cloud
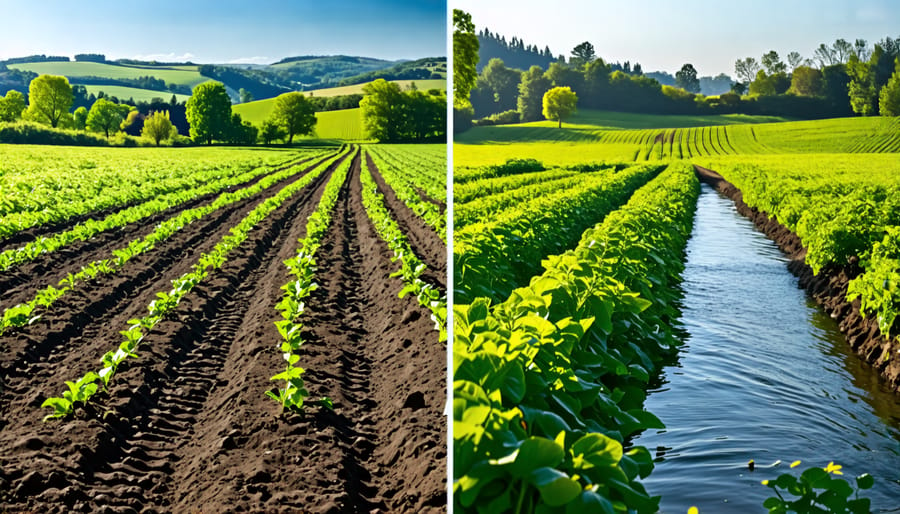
(169, 57)
(257, 59)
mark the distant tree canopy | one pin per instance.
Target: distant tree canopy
(391, 114)
(889, 98)
(514, 52)
(90, 57)
(559, 103)
(294, 114)
(50, 98)
(208, 111)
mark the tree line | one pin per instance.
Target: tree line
(388, 114)
(849, 79)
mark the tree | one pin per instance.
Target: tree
(746, 69)
(270, 131)
(582, 55)
(503, 83)
(106, 116)
(806, 81)
(246, 96)
(772, 63)
(465, 56)
(80, 118)
(425, 114)
(762, 85)
(739, 88)
(158, 127)
(861, 90)
(889, 98)
(12, 105)
(826, 56)
(50, 98)
(241, 132)
(862, 50)
(295, 113)
(842, 50)
(794, 60)
(208, 111)
(531, 94)
(686, 78)
(132, 123)
(559, 104)
(382, 110)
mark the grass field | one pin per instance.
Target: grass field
(356, 89)
(95, 69)
(124, 93)
(343, 124)
(655, 137)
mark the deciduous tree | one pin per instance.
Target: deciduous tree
(686, 78)
(49, 98)
(862, 91)
(158, 127)
(794, 60)
(503, 82)
(531, 94)
(246, 96)
(12, 105)
(772, 63)
(746, 69)
(79, 117)
(559, 103)
(208, 111)
(270, 131)
(465, 57)
(106, 116)
(382, 110)
(806, 81)
(889, 98)
(295, 113)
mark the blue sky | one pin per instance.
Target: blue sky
(665, 34)
(259, 31)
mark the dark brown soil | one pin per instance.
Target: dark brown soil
(423, 240)
(828, 288)
(20, 283)
(187, 426)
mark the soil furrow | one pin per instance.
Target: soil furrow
(20, 283)
(423, 240)
(84, 324)
(132, 454)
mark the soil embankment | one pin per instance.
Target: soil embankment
(828, 288)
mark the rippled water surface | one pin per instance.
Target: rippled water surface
(765, 375)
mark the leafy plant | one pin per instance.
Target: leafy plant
(818, 490)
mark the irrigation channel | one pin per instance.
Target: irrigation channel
(764, 374)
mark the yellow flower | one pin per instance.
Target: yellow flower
(795, 463)
(765, 482)
(693, 510)
(834, 468)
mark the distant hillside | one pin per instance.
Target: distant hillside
(148, 79)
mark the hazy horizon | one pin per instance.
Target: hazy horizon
(662, 36)
(227, 32)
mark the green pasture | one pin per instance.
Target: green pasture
(95, 69)
(124, 93)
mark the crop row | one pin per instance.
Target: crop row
(844, 208)
(32, 197)
(26, 313)
(550, 383)
(166, 302)
(411, 267)
(292, 304)
(402, 176)
(472, 190)
(427, 164)
(492, 257)
(91, 227)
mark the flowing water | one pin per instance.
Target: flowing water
(765, 375)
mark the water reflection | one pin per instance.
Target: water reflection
(764, 375)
